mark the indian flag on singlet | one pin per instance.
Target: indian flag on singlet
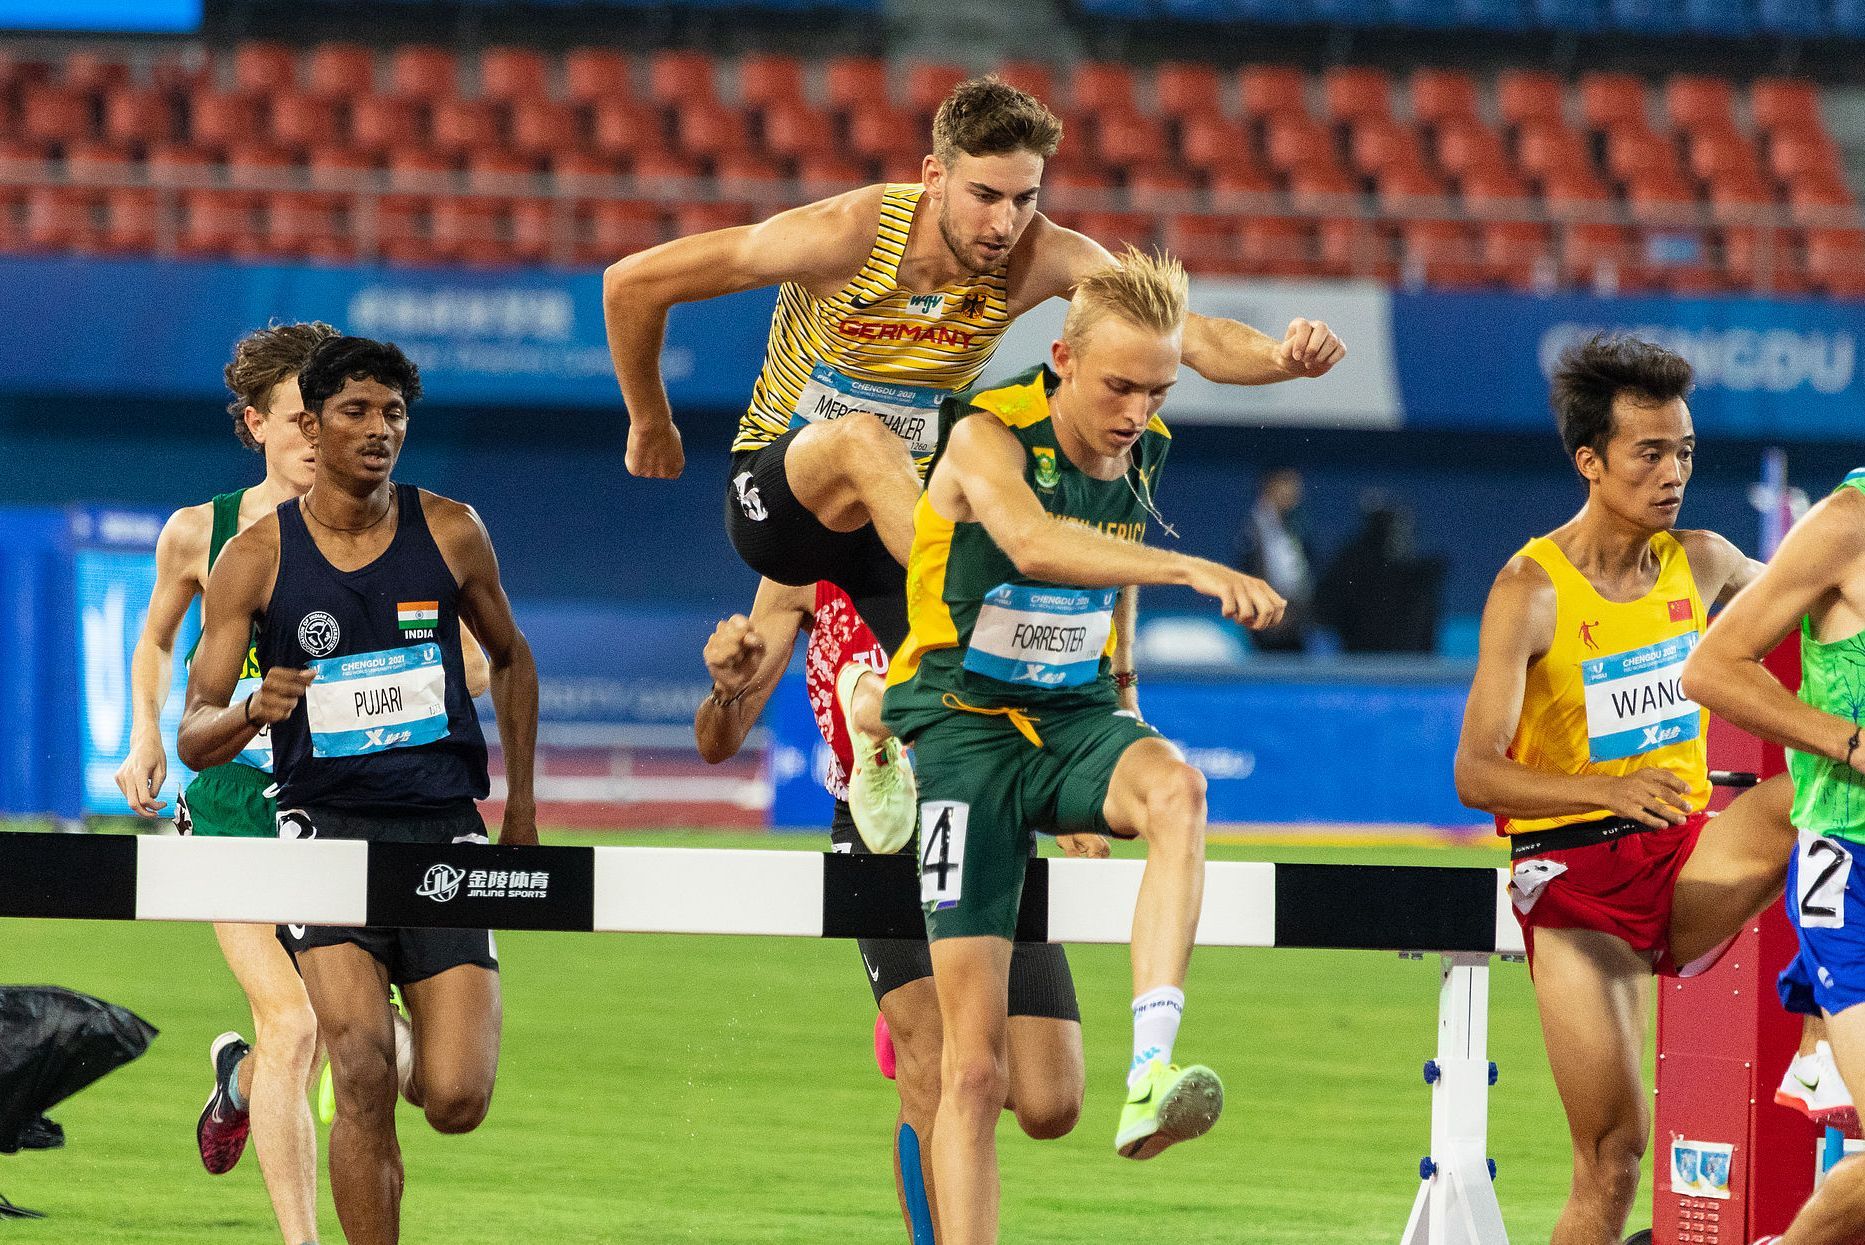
(417, 619)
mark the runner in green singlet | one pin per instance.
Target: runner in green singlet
(1816, 585)
(1026, 547)
(264, 1093)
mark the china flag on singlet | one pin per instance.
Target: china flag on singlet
(1680, 610)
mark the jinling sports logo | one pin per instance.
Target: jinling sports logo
(441, 883)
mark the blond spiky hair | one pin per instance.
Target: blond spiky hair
(1148, 291)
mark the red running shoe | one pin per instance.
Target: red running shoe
(221, 1131)
(883, 1046)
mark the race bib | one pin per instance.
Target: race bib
(258, 750)
(1635, 700)
(911, 412)
(1820, 877)
(371, 702)
(1047, 637)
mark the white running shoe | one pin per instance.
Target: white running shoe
(1811, 1086)
(883, 795)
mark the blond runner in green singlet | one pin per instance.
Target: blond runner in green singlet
(1815, 585)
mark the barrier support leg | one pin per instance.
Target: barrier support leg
(1456, 1202)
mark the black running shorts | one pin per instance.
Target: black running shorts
(409, 954)
(1040, 981)
(780, 539)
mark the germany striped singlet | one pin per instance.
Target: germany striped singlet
(874, 346)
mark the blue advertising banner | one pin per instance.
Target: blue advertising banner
(526, 337)
(1289, 752)
(1765, 369)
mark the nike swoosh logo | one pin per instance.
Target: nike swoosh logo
(1813, 1084)
(855, 304)
(874, 974)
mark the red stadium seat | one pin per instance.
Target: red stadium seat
(1820, 202)
(853, 84)
(929, 82)
(1273, 246)
(710, 130)
(264, 68)
(380, 124)
(1101, 86)
(137, 115)
(302, 225)
(680, 79)
(579, 173)
(1836, 261)
(1378, 144)
(510, 74)
(823, 175)
(623, 129)
(1465, 147)
(1118, 230)
(171, 164)
(1161, 190)
(214, 222)
(1408, 188)
(1273, 91)
(1443, 253)
(795, 131)
(1295, 142)
(1611, 100)
(1032, 77)
(54, 114)
(1233, 189)
(1129, 140)
(1697, 102)
(541, 127)
(302, 122)
(1598, 254)
(613, 228)
(419, 71)
(1632, 152)
(768, 80)
(669, 172)
(542, 231)
(500, 173)
(1322, 189)
(419, 172)
(747, 178)
(58, 218)
(891, 136)
(1208, 143)
(92, 72)
(1574, 193)
(1544, 150)
(1440, 96)
(1355, 92)
(1352, 246)
(131, 221)
(1784, 103)
(467, 231)
(1530, 96)
(460, 125)
(1513, 252)
(1188, 90)
(1205, 244)
(1716, 157)
(340, 70)
(186, 70)
(218, 120)
(1798, 153)
(98, 164)
(592, 76)
(691, 218)
(254, 168)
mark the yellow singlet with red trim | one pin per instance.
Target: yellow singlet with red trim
(1607, 697)
(875, 347)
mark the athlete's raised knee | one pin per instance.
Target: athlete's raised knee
(865, 432)
(456, 1111)
(1049, 1115)
(1175, 798)
(1611, 1164)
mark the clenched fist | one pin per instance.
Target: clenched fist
(733, 654)
(1309, 348)
(278, 695)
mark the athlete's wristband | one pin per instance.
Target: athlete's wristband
(1124, 679)
(1852, 745)
(247, 711)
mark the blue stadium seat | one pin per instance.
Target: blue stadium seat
(1655, 17)
(1567, 14)
(1729, 18)
(1492, 14)
(1793, 17)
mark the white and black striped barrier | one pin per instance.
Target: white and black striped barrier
(1461, 914)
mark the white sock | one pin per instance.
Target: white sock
(1156, 1016)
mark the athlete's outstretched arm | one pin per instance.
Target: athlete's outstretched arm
(1229, 352)
(1823, 552)
(980, 479)
(1518, 627)
(180, 553)
(746, 657)
(485, 609)
(811, 244)
(213, 731)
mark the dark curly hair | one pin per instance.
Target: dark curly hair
(343, 359)
(262, 359)
(989, 117)
(1591, 374)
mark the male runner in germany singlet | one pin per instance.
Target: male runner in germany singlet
(843, 664)
(1815, 583)
(1030, 526)
(360, 590)
(1579, 738)
(892, 298)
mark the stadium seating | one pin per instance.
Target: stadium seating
(421, 153)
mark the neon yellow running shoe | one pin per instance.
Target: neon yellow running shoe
(883, 795)
(1167, 1105)
(326, 1097)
